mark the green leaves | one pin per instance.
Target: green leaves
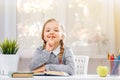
(9, 47)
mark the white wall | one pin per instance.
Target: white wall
(117, 23)
(1, 19)
(7, 19)
(110, 28)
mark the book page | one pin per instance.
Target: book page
(51, 73)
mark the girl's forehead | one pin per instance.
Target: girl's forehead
(52, 24)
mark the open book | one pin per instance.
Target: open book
(51, 73)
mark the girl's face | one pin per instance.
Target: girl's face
(53, 32)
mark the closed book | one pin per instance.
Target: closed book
(51, 73)
(22, 74)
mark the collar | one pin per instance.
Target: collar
(56, 51)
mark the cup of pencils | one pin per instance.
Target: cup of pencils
(114, 64)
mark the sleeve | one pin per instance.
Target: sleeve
(39, 58)
(68, 66)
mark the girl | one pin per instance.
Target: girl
(53, 55)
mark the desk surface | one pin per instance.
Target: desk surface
(76, 77)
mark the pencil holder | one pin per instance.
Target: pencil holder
(114, 67)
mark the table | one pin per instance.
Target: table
(75, 77)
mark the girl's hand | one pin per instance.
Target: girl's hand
(40, 69)
(50, 44)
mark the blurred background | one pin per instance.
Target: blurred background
(92, 26)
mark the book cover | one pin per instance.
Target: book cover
(22, 75)
(51, 73)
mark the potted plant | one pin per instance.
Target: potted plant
(9, 58)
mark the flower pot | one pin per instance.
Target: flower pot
(8, 63)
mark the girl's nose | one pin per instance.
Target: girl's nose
(51, 32)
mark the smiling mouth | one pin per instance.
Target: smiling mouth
(51, 37)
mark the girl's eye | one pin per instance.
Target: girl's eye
(56, 30)
(47, 30)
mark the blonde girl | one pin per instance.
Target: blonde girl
(53, 55)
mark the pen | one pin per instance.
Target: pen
(109, 56)
(111, 62)
(112, 57)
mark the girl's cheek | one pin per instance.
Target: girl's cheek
(48, 36)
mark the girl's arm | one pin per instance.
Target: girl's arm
(68, 66)
(39, 58)
(60, 67)
(40, 69)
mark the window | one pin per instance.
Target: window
(89, 24)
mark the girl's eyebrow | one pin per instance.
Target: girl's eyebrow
(47, 28)
(56, 27)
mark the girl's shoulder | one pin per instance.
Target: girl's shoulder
(67, 48)
(40, 47)
(68, 51)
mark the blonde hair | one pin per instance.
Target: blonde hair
(61, 41)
